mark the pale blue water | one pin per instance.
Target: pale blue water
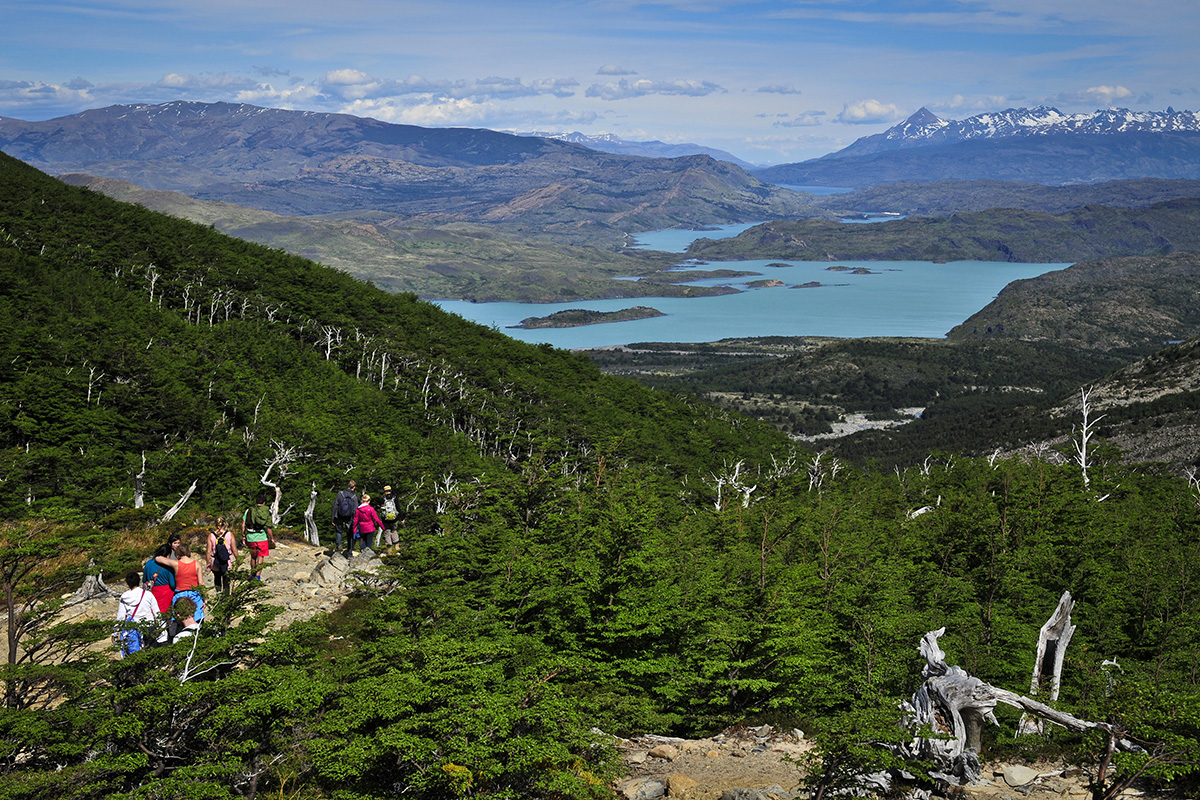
(901, 298)
(676, 240)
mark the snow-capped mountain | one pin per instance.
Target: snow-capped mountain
(924, 128)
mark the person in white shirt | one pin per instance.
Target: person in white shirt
(136, 610)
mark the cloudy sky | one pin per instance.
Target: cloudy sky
(770, 82)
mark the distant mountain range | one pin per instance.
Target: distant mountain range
(1042, 145)
(608, 143)
(303, 163)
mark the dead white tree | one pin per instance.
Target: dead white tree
(152, 275)
(331, 339)
(1193, 484)
(310, 524)
(781, 469)
(444, 491)
(139, 496)
(731, 476)
(281, 460)
(1085, 433)
(1047, 667)
(183, 499)
(820, 468)
(955, 706)
(93, 379)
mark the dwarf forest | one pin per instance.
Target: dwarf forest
(583, 556)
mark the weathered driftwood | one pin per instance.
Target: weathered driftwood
(1047, 668)
(956, 705)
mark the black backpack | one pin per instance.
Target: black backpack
(345, 505)
(221, 555)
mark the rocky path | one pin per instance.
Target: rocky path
(758, 764)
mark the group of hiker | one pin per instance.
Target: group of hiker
(357, 523)
(164, 603)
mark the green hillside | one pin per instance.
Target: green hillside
(1080, 234)
(583, 556)
(131, 332)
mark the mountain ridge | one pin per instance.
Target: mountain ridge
(304, 163)
(611, 143)
(1040, 145)
(924, 128)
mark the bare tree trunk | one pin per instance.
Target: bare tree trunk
(310, 524)
(175, 508)
(139, 498)
(1047, 669)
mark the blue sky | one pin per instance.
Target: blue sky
(770, 82)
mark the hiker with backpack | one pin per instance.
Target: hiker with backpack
(390, 512)
(137, 610)
(257, 530)
(345, 505)
(221, 553)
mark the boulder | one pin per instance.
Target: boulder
(643, 789)
(664, 751)
(1018, 774)
(678, 784)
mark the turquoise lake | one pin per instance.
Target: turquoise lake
(897, 298)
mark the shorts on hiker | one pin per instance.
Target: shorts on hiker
(259, 549)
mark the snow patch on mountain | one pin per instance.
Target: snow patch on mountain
(924, 128)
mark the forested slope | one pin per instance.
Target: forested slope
(131, 333)
(581, 553)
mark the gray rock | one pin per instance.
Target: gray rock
(1018, 774)
(644, 789)
(773, 792)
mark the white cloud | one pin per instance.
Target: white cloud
(779, 89)
(613, 69)
(221, 82)
(429, 113)
(805, 119)
(1093, 96)
(868, 112)
(624, 89)
(976, 103)
(1108, 94)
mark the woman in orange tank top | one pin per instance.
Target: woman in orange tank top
(189, 573)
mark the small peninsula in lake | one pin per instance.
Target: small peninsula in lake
(574, 317)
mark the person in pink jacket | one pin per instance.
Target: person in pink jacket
(366, 522)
